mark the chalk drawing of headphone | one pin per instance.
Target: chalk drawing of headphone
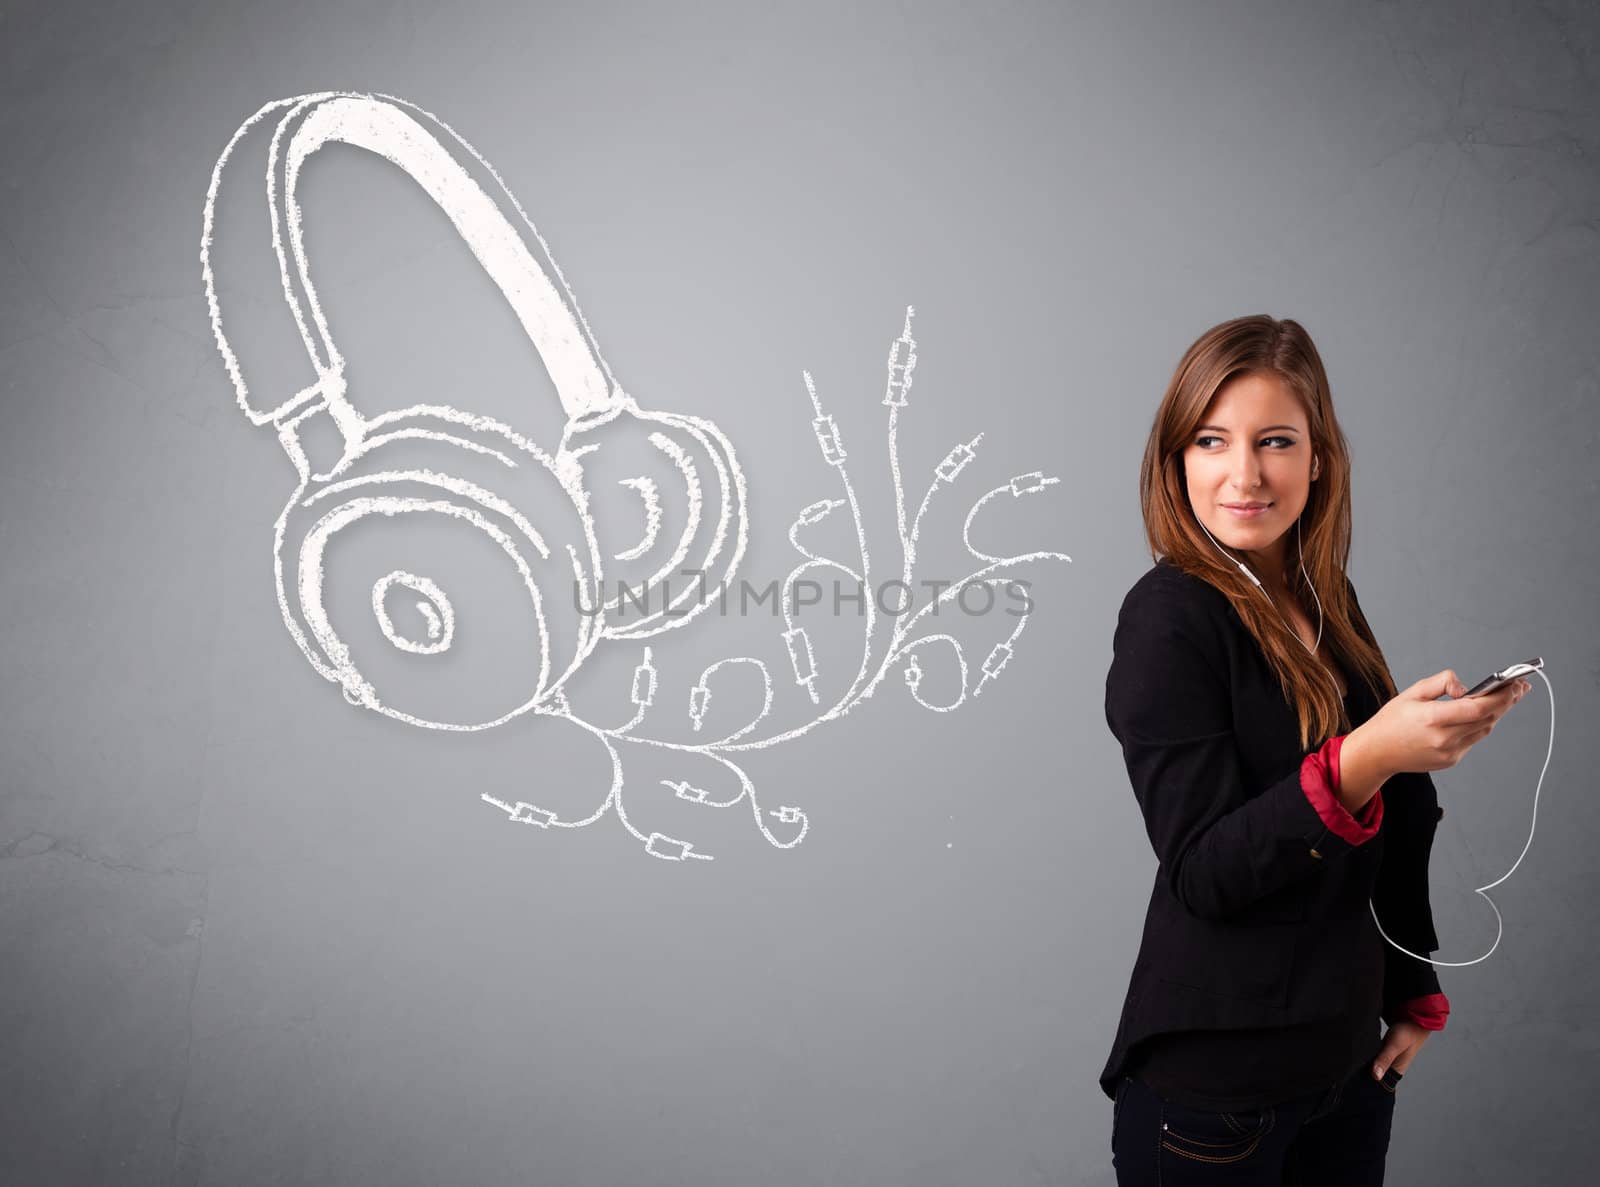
(448, 467)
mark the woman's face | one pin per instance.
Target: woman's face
(1252, 446)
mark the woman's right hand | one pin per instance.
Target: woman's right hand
(1418, 732)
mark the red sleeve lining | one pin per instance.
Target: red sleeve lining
(1429, 1011)
(1319, 779)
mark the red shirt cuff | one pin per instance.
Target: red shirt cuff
(1319, 779)
(1429, 1011)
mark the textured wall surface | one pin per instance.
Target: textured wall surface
(251, 934)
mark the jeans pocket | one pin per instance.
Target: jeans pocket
(1391, 1080)
(1206, 1135)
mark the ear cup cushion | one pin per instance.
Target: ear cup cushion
(668, 502)
(433, 551)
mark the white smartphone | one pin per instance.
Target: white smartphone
(1500, 679)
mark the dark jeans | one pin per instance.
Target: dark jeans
(1335, 1135)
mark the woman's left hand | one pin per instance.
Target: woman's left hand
(1401, 1043)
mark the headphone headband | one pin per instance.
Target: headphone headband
(492, 223)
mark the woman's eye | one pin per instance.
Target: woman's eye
(1288, 442)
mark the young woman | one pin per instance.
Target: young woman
(1284, 786)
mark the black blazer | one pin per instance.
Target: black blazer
(1246, 926)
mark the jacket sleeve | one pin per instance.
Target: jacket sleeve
(1221, 845)
(1400, 896)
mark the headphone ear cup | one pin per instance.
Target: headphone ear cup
(674, 535)
(438, 547)
(667, 499)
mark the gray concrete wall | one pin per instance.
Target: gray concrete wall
(251, 934)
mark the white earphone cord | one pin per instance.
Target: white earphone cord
(1499, 923)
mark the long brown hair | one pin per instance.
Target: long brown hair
(1282, 347)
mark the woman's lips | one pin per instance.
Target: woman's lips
(1247, 512)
